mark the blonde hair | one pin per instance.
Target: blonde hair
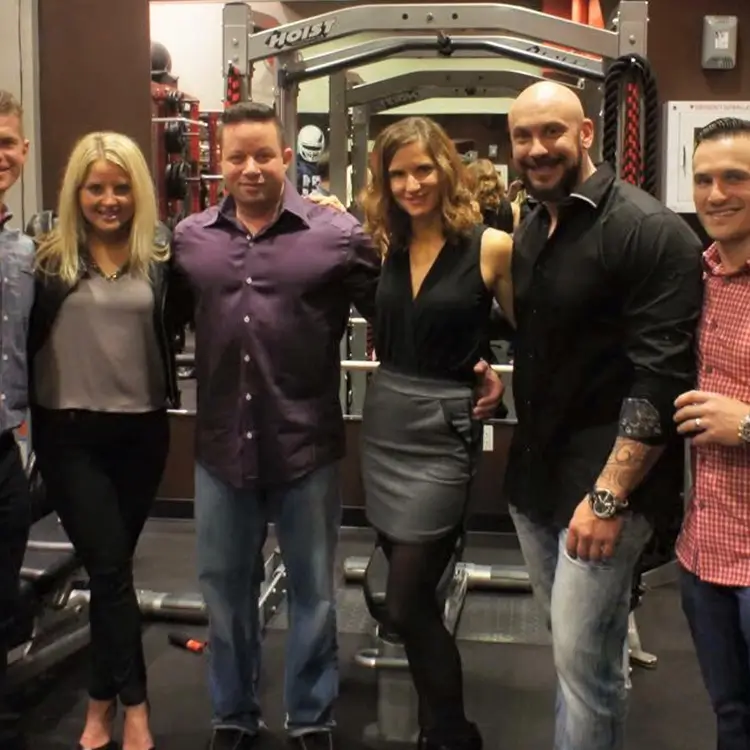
(59, 250)
(386, 222)
(485, 183)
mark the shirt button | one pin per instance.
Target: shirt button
(249, 435)
(709, 369)
(247, 318)
(5, 317)
(248, 397)
(5, 280)
(2, 397)
(5, 357)
(248, 280)
(246, 358)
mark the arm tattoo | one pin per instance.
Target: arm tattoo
(627, 465)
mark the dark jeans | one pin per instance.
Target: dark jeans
(102, 471)
(719, 620)
(15, 517)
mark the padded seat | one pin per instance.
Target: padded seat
(45, 571)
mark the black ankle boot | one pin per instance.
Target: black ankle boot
(468, 739)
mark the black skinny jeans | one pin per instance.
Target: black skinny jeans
(103, 470)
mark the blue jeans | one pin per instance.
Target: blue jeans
(719, 620)
(231, 529)
(587, 605)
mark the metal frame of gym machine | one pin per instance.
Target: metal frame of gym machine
(369, 99)
(531, 35)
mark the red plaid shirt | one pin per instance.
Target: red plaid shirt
(715, 539)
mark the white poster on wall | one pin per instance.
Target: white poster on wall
(192, 32)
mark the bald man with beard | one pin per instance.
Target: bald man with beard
(607, 297)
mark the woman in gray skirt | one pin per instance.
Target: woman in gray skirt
(421, 430)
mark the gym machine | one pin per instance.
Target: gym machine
(439, 30)
(369, 99)
(532, 34)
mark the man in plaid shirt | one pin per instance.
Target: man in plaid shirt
(714, 546)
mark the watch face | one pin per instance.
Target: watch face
(603, 504)
(745, 430)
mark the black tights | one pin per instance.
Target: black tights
(416, 617)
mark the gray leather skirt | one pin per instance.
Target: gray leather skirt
(419, 452)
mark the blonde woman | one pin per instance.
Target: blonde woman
(489, 192)
(102, 373)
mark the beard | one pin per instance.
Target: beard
(562, 188)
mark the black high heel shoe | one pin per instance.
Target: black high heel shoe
(468, 740)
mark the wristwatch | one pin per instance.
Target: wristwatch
(605, 504)
(744, 429)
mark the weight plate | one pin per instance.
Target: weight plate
(175, 180)
(175, 137)
(172, 102)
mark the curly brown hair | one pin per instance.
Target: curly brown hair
(485, 183)
(386, 222)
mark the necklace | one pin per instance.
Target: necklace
(108, 276)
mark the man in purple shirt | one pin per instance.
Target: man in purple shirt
(271, 277)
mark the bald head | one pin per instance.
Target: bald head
(550, 136)
(549, 97)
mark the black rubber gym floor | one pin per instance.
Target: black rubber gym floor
(509, 687)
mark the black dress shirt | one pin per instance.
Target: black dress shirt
(606, 310)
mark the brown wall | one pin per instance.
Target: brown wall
(675, 34)
(94, 75)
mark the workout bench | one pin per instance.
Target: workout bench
(46, 631)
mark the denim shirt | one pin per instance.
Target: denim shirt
(16, 297)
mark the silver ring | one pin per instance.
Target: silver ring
(698, 423)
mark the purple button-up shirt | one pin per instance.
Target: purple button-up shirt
(270, 312)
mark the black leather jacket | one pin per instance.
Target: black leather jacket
(50, 293)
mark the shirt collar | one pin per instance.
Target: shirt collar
(596, 187)
(292, 202)
(591, 192)
(713, 265)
